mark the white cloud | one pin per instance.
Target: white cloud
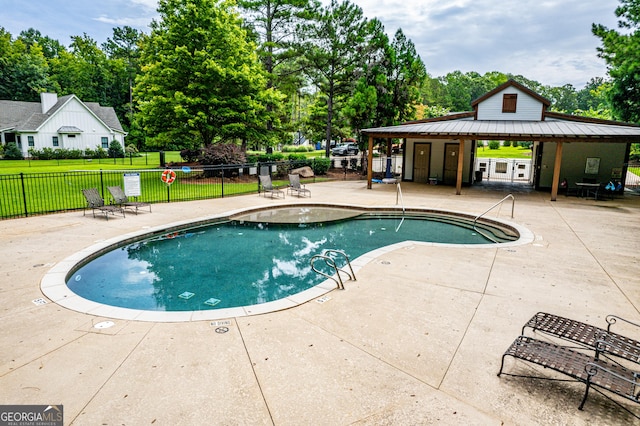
(548, 41)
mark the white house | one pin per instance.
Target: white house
(58, 122)
(566, 148)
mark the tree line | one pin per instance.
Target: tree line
(267, 72)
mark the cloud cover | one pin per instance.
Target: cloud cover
(545, 40)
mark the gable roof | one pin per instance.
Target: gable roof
(511, 83)
(28, 117)
(556, 126)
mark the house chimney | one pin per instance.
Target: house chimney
(47, 101)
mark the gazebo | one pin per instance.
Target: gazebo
(512, 112)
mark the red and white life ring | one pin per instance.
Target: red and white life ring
(168, 176)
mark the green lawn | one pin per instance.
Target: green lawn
(146, 160)
(503, 152)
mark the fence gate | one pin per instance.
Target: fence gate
(513, 170)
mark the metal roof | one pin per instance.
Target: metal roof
(69, 129)
(554, 129)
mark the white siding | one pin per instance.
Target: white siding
(528, 108)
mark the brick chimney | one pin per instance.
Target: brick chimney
(48, 100)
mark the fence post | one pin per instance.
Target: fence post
(101, 184)
(24, 195)
(222, 171)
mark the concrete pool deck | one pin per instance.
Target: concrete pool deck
(417, 339)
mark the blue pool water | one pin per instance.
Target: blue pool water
(235, 263)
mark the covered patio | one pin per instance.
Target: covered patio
(496, 117)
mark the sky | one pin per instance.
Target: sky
(549, 41)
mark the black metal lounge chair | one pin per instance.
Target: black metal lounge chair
(587, 335)
(119, 198)
(96, 202)
(295, 187)
(268, 188)
(592, 370)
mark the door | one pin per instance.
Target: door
(451, 152)
(421, 160)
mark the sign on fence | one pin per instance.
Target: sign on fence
(132, 184)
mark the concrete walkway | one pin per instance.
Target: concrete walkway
(417, 339)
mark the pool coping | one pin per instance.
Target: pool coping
(54, 285)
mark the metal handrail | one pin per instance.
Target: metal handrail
(330, 262)
(399, 193)
(475, 220)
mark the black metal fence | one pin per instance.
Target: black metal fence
(28, 194)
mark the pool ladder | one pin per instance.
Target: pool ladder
(475, 221)
(331, 263)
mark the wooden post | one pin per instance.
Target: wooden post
(460, 167)
(556, 171)
(370, 162)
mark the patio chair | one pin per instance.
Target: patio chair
(592, 370)
(295, 187)
(119, 198)
(587, 335)
(268, 188)
(96, 202)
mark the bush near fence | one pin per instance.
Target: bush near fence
(27, 194)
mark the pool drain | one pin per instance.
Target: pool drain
(104, 324)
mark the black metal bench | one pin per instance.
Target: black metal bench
(591, 370)
(587, 335)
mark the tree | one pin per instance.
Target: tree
(50, 48)
(124, 47)
(274, 23)
(593, 101)
(83, 71)
(563, 98)
(621, 51)
(23, 69)
(333, 50)
(406, 75)
(201, 81)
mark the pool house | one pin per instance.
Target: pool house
(566, 149)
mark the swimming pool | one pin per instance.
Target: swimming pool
(252, 261)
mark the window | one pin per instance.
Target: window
(54, 139)
(71, 136)
(105, 142)
(30, 141)
(501, 167)
(509, 101)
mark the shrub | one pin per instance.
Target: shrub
(494, 145)
(74, 154)
(223, 153)
(115, 150)
(100, 152)
(190, 155)
(506, 143)
(321, 165)
(132, 150)
(270, 158)
(526, 145)
(12, 152)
